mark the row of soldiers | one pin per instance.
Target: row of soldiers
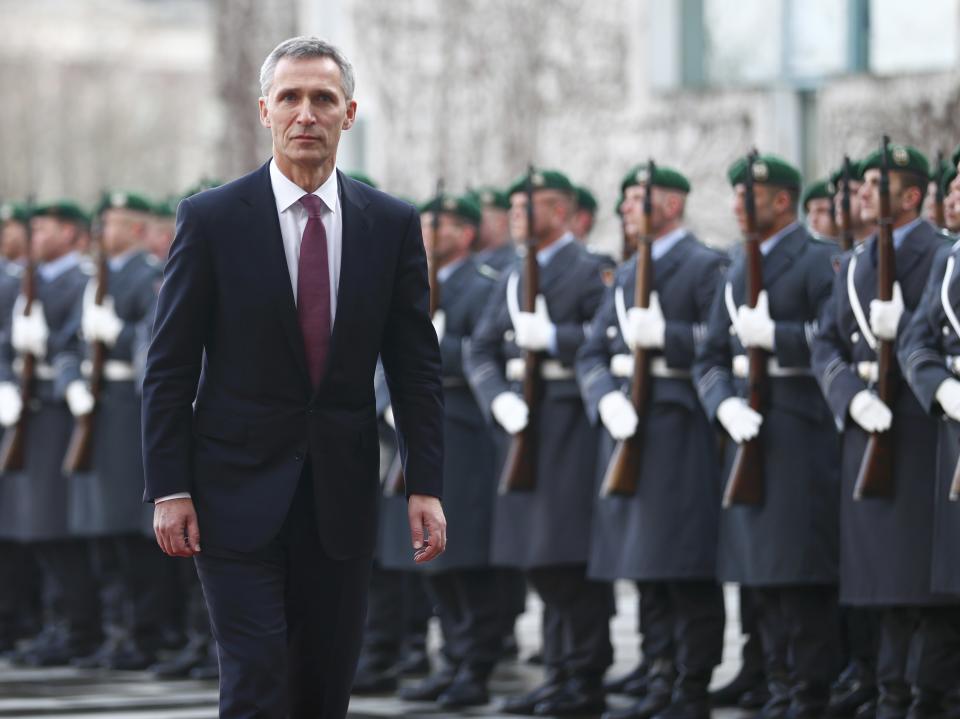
(852, 607)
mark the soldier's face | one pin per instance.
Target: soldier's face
(855, 222)
(820, 216)
(51, 238)
(451, 240)
(494, 227)
(662, 211)
(159, 237)
(13, 241)
(581, 224)
(930, 202)
(122, 231)
(902, 199)
(765, 202)
(306, 111)
(951, 212)
(547, 213)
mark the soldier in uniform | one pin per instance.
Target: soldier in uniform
(106, 501)
(951, 200)
(585, 216)
(34, 503)
(493, 246)
(885, 542)
(859, 229)
(161, 229)
(464, 587)
(664, 537)
(784, 549)
(546, 531)
(817, 202)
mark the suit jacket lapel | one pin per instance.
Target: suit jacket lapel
(558, 265)
(781, 257)
(664, 268)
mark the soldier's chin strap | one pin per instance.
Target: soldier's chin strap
(945, 296)
(855, 305)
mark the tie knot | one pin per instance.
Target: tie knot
(312, 204)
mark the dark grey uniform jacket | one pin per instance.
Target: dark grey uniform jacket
(550, 525)
(928, 347)
(470, 459)
(885, 543)
(109, 499)
(792, 538)
(34, 502)
(668, 529)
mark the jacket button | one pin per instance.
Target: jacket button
(311, 411)
(855, 337)
(298, 457)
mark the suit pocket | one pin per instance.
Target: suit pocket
(225, 428)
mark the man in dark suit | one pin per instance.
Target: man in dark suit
(259, 418)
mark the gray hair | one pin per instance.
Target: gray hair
(307, 47)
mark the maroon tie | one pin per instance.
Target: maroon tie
(313, 289)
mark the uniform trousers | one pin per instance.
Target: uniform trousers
(470, 611)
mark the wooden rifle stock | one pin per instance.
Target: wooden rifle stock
(939, 216)
(846, 231)
(79, 455)
(519, 473)
(745, 483)
(623, 470)
(394, 482)
(875, 478)
(13, 446)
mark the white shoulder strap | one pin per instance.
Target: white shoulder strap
(513, 297)
(945, 296)
(857, 307)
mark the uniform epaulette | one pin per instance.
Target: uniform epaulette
(488, 271)
(946, 235)
(152, 261)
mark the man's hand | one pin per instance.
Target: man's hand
(175, 524)
(428, 527)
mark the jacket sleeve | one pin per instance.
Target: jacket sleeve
(411, 362)
(593, 359)
(174, 358)
(792, 340)
(713, 362)
(484, 362)
(681, 339)
(570, 335)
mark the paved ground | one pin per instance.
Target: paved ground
(76, 694)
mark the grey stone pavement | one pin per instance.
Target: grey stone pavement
(77, 694)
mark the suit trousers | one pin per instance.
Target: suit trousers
(468, 602)
(919, 646)
(287, 619)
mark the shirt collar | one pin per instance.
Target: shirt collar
(287, 193)
(120, 261)
(548, 253)
(900, 233)
(446, 272)
(766, 247)
(50, 271)
(662, 245)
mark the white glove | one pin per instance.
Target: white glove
(739, 419)
(440, 324)
(100, 322)
(510, 411)
(870, 412)
(534, 330)
(646, 327)
(754, 326)
(10, 404)
(948, 395)
(388, 417)
(885, 316)
(30, 332)
(618, 415)
(79, 399)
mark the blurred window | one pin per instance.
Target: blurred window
(913, 37)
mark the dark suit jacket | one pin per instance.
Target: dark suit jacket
(227, 341)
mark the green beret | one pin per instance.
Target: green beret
(955, 157)
(665, 177)
(901, 158)
(543, 180)
(949, 176)
(490, 197)
(164, 208)
(61, 210)
(937, 171)
(14, 212)
(819, 190)
(204, 184)
(463, 207)
(616, 207)
(361, 177)
(585, 199)
(766, 170)
(119, 200)
(856, 175)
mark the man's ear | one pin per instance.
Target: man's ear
(264, 112)
(351, 115)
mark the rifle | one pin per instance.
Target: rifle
(627, 243)
(745, 483)
(846, 232)
(938, 212)
(13, 446)
(875, 478)
(79, 456)
(623, 470)
(519, 473)
(394, 482)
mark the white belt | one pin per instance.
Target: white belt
(953, 364)
(113, 370)
(550, 370)
(622, 366)
(41, 370)
(741, 368)
(869, 372)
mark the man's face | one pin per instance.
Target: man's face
(549, 216)
(306, 111)
(451, 240)
(159, 237)
(582, 224)
(51, 238)
(494, 227)
(951, 205)
(662, 210)
(769, 203)
(820, 216)
(123, 230)
(870, 196)
(855, 221)
(929, 210)
(13, 241)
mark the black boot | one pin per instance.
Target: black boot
(375, 675)
(619, 684)
(578, 696)
(778, 704)
(747, 682)
(469, 688)
(655, 702)
(180, 664)
(690, 700)
(431, 688)
(894, 701)
(854, 688)
(209, 668)
(926, 705)
(524, 704)
(415, 662)
(808, 700)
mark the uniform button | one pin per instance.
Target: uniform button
(508, 335)
(311, 411)
(946, 331)
(298, 457)
(611, 332)
(733, 330)
(855, 337)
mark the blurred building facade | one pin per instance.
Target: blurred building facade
(152, 94)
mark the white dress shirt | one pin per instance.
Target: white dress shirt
(293, 221)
